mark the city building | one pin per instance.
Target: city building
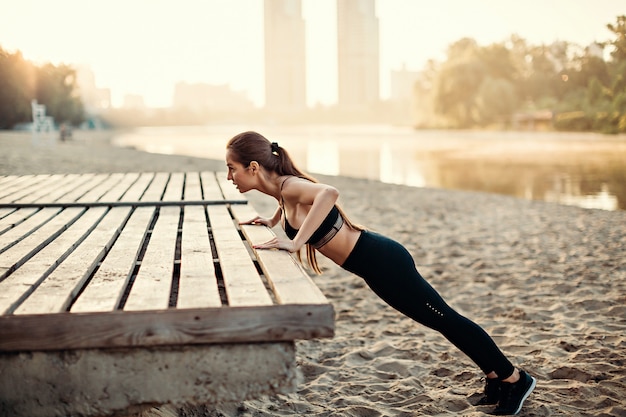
(358, 54)
(403, 84)
(403, 97)
(201, 98)
(134, 102)
(285, 72)
(94, 99)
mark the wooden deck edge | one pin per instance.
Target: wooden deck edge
(178, 203)
(166, 327)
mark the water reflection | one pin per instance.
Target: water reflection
(568, 191)
(585, 170)
(582, 179)
(397, 167)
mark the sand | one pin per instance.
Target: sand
(548, 282)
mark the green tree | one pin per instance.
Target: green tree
(457, 84)
(618, 94)
(497, 98)
(56, 88)
(457, 87)
(21, 82)
(496, 101)
(482, 85)
(617, 69)
(476, 84)
(587, 67)
(17, 81)
(597, 94)
(619, 43)
(543, 75)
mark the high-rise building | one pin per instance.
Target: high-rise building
(403, 84)
(358, 54)
(202, 98)
(94, 99)
(285, 64)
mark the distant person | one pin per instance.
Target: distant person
(63, 132)
(310, 216)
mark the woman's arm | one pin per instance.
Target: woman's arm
(269, 222)
(320, 197)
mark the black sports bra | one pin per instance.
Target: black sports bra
(324, 233)
(327, 230)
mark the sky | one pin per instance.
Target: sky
(144, 47)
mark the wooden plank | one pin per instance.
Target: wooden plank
(193, 188)
(121, 187)
(151, 289)
(229, 191)
(285, 275)
(197, 283)
(156, 188)
(19, 284)
(123, 204)
(96, 192)
(4, 212)
(60, 190)
(7, 179)
(12, 180)
(13, 218)
(102, 189)
(106, 288)
(57, 185)
(244, 286)
(69, 187)
(210, 188)
(174, 191)
(136, 190)
(166, 327)
(18, 184)
(74, 195)
(25, 227)
(30, 188)
(60, 288)
(43, 230)
(291, 284)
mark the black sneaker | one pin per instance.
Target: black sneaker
(491, 395)
(513, 395)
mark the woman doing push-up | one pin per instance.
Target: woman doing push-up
(310, 216)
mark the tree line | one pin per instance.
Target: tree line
(482, 86)
(53, 85)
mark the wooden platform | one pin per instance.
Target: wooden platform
(129, 261)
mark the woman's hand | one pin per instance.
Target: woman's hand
(258, 220)
(276, 243)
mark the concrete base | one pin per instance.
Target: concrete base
(103, 382)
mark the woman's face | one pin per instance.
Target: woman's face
(241, 176)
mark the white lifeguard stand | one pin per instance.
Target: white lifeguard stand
(41, 122)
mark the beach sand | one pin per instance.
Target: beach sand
(548, 282)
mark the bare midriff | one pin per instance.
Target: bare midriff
(340, 246)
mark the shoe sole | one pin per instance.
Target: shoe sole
(528, 391)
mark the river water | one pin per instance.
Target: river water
(582, 169)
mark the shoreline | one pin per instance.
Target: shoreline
(581, 169)
(547, 281)
(87, 151)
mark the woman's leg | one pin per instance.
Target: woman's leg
(390, 271)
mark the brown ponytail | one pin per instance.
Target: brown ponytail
(252, 146)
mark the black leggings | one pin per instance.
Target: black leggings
(389, 270)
